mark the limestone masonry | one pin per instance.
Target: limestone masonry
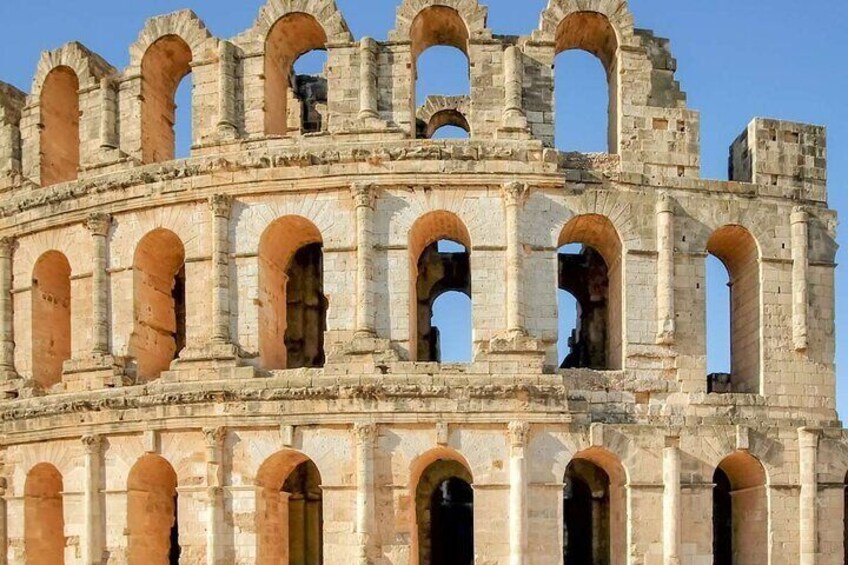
(230, 359)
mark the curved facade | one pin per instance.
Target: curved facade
(229, 358)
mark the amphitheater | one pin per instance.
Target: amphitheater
(230, 358)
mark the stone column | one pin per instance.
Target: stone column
(518, 434)
(808, 444)
(366, 436)
(364, 197)
(108, 114)
(513, 114)
(99, 225)
(671, 502)
(221, 206)
(665, 270)
(214, 494)
(514, 194)
(800, 268)
(227, 126)
(368, 79)
(92, 548)
(7, 320)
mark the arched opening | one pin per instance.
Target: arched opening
(718, 311)
(44, 518)
(60, 135)
(451, 132)
(289, 515)
(586, 514)
(445, 124)
(590, 32)
(740, 511)
(567, 328)
(594, 510)
(590, 265)
(295, 96)
(159, 286)
(736, 248)
(165, 64)
(451, 327)
(439, 247)
(444, 513)
(51, 317)
(440, 64)
(292, 305)
(183, 118)
(152, 506)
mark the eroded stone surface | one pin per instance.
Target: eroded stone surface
(222, 357)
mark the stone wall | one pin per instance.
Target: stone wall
(170, 418)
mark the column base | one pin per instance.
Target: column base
(364, 347)
(213, 361)
(515, 345)
(214, 353)
(95, 373)
(13, 386)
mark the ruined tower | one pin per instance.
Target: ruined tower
(230, 358)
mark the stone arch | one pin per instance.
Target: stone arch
(61, 75)
(152, 512)
(598, 474)
(439, 111)
(602, 312)
(162, 56)
(616, 12)
(592, 32)
(601, 28)
(434, 273)
(165, 64)
(740, 510)
(430, 476)
(159, 303)
(89, 67)
(325, 12)
(292, 311)
(44, 520)
(185, 25)
(60, 131)
(473, 18)
(292, 35)
(739, 251)
(289, 510)
(51, 317)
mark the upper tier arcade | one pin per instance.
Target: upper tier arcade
(84, 118)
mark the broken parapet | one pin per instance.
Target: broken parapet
(789, 156)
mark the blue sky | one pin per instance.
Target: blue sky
(736, 60)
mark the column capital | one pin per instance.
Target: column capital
(98, 224)
(92, 443)
(809, 437)
(665, 203)
(800, 215)
(515, 193)
(221, 205)
(8, 244)
(519, 432)
(214, 436)
(364, 194)
(365, 433)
